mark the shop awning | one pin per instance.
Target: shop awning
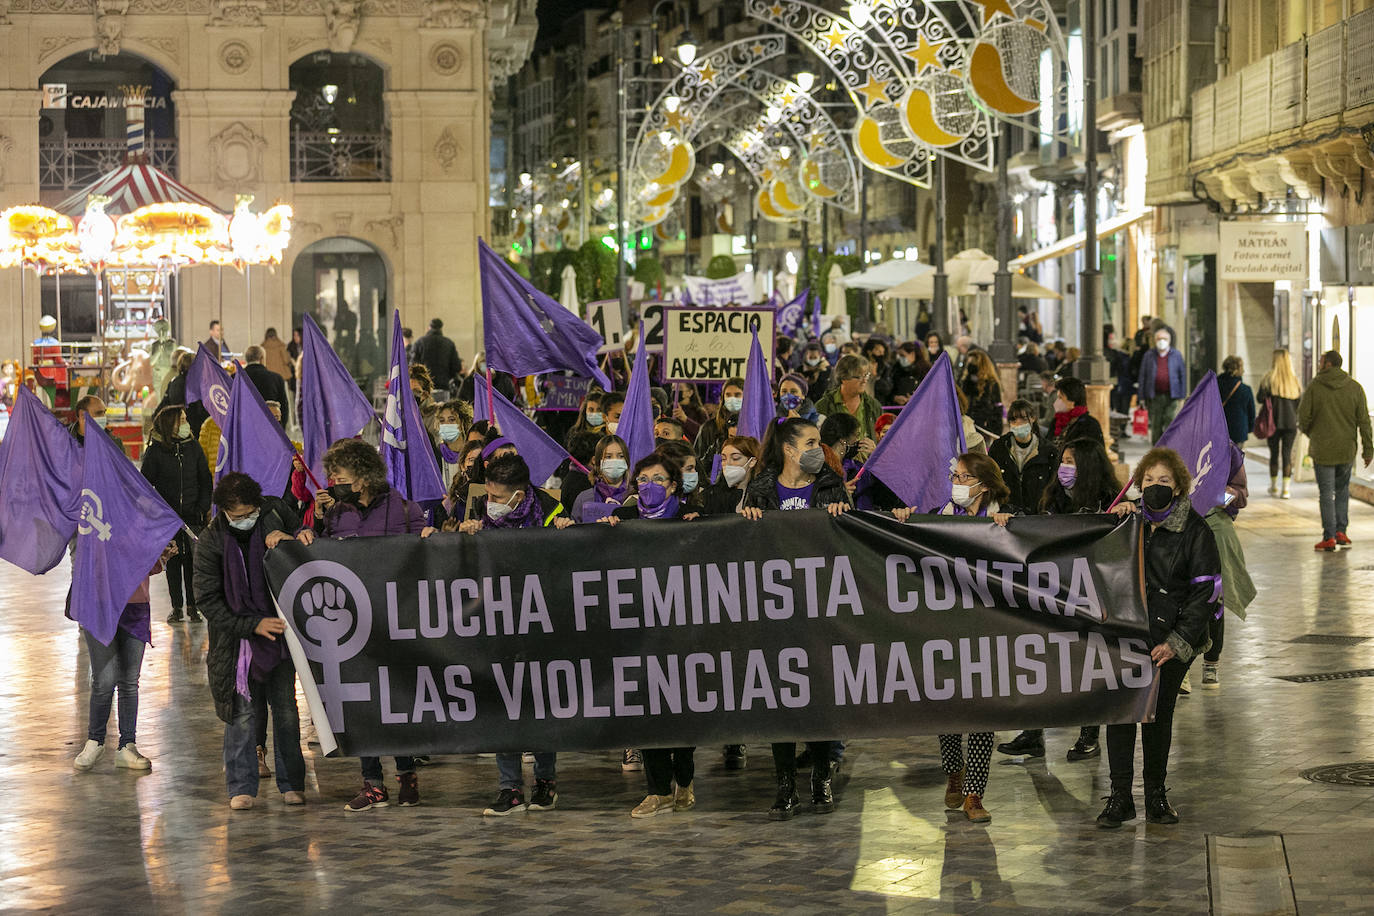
(1075, 241)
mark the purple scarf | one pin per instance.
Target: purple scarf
(667, 510)
(525, 515)
(449, 454)
(1156, 516)
(611, 492)
(247, 596)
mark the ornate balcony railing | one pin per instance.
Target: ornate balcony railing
(323, 156)
(70, 164)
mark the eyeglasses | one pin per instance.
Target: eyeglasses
(963, 478)
(657, 478)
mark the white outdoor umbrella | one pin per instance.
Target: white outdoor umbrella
(969, 273)
(886, 275)
(835, 298)
(568, 296)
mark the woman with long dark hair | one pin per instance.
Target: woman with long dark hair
(718, 429)
(793, 475)
(609, 485)
(983, 390)
(175, 465)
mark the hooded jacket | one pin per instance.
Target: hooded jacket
(178, 471)
(1027, 483)
(1332, 410)
(1182, 569)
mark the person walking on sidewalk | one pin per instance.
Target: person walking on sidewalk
(1161, 386)
(1332, 411)
(1280, 390)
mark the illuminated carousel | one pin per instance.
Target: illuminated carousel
(135, 229)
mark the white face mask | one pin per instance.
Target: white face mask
(734, 473)
(613, 469)
(245, 524)
(448, 431)
(1021, 431)
(184, 430)
(733, 404)
(1162, 345)
(963, 495)
(497, 510)
(612, 426)
(101, 420)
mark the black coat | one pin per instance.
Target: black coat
(1027, 484)
(440, 356)
(226, 627)
(1285, 410)
(1061, 503)
(181, 476)
(1178, 553)
(762, 492)
(1084, 427)
(720, 498)
(271, 386)
(905, 380)
(196, 414)
(986, 407)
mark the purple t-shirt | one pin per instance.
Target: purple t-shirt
(799, 498)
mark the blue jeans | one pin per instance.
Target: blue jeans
(241, 743)
(115, 665)
(1333, 492)
(508, 768)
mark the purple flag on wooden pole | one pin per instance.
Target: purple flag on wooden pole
(252, 442)
(208, 383)
(406, 448)
(913, 458)
(815, 315)
(758, 410)
(542, 454)
(637, 416)
(1200, 436)
(333, 407)
(123, 525)
(790, 315)
(527, 332)
(40, 466)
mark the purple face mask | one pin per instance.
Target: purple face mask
(1067, 474)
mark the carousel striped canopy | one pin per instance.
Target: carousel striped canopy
(130, 187)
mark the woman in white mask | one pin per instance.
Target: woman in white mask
(719, 428)
(451, 430)
(738, 461)
(976, 489)
(609, 485)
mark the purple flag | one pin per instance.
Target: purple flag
(333, 407)
(526, 332)
(715, 467)
(815, 316)
(40, 464)
(208, 383)
(758, 410)
(790, 315)
(407, 450)
(542, 454)
(122, 527)
(637, 416)
(252, 441)
(1200, 436)
(913, 458)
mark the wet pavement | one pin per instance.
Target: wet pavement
(166, 841)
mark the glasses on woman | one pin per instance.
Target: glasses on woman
(963, 478)
(659, 479)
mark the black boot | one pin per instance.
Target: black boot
(1120, 808)
(1086, 746)
(735, 757)
(785, 805)
(822, 797)
(1157, 807)
(1030, 743)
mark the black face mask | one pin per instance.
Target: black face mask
(1157, 496)
(344, 493)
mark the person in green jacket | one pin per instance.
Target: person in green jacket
(847, 395)
(1332, 410)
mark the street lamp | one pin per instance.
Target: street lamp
(805, 79)
(861, 13)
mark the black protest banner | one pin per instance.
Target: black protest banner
(716, 631)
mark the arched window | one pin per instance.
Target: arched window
(338, 119)
(341, 282)
(88, 108)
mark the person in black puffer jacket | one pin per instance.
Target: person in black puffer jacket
(1183, 593)
(794, 475)
(1026, 458)
(175, 393)
(175, 465)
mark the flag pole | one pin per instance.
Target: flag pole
(491, 401)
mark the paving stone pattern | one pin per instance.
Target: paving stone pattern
(167, 841)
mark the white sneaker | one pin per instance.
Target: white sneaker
(632, 762)
(90, 755)
(129, 758)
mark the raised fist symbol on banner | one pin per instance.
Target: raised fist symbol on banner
(328, 619)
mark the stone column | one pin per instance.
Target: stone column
(18, 185)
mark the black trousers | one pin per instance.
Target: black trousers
(1155, 736)
(785, 758)
(180, 569)
(665, 765)
(1216, 629)
(1281, 445)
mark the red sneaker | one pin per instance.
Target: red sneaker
(1342, 542)
(1328, 545)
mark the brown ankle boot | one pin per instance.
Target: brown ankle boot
(954, 791)
(974, 810)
